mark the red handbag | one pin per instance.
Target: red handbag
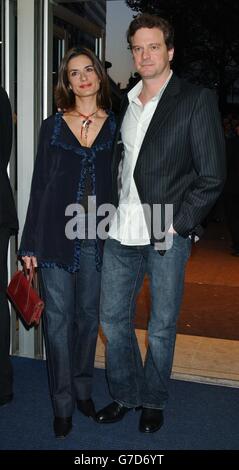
(23, 295)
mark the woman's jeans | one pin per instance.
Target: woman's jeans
(71, 319)
(124, 267)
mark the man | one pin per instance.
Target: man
(173, 156)
(8, 226)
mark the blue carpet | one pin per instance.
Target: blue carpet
(198, 416)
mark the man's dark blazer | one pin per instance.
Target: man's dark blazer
(8, 216)
(182, 157)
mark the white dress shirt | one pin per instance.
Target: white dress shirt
(128, 224)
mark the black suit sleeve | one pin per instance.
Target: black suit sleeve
(5, 129)
(208, 154)
(8, 215)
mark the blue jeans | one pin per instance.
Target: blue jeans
(131, 383)
(71, 320)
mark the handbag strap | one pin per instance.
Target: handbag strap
(32, 281)
(29, 273)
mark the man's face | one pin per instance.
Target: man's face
(150, 53)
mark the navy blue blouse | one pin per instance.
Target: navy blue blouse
(61, 168)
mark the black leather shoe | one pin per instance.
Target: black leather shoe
(62, 427)
(87, 407)
(112, 413)
(151, 420)
(6, 400)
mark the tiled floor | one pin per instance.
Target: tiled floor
(196, 358)
(207, 360)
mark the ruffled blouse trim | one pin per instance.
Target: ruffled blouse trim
(70, 268)
(87, 154)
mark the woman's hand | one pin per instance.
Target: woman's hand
(29, 262)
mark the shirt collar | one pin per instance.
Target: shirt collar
(136, 90)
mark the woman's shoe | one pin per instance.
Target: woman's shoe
(62, 427)
(87, 407)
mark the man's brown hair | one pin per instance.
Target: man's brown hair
(145, 20)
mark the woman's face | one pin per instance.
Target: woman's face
(82, 77)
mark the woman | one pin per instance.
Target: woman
(72, 164)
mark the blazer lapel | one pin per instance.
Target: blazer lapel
(165, 106)
(123, 109)
(116, 155)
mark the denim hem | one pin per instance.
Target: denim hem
(153, 407)
(123, 403)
